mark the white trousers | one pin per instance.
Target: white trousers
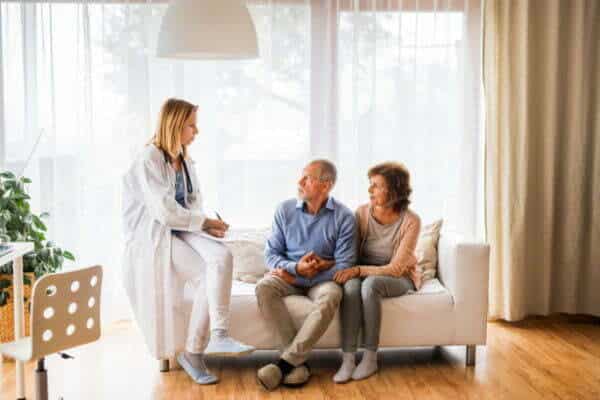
(209, 265)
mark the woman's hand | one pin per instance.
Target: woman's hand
(345, 275)
(216, 233)
(214, 224)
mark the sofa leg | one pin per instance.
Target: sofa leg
(164, 365)
(471, 355)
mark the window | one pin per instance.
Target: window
(358, 82)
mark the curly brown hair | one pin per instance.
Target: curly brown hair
(397, 178)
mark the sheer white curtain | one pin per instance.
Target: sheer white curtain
(355, 81)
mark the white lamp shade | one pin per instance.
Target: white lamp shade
(207, 29)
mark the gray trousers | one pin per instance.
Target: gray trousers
(296, 344)
(361, 307)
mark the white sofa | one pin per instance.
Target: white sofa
(450, 310)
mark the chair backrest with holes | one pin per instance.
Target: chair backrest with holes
(65, 310)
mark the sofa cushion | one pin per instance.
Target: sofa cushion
(426, 250)
(422, 318)
(249, 263)
(248, 254)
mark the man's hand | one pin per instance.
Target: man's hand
(323, 264)
(214, 224)
(345, 275)
(283, 274)
(307, 266)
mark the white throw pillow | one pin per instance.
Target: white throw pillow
(248, 254)
(426, 250)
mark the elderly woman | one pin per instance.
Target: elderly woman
(388, 233)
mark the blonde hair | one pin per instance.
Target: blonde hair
(171, 121)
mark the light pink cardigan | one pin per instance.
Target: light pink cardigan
(404, 261)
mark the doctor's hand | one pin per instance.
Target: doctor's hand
(215, 232)
(283, 274)
(307, 265)
(215, 224)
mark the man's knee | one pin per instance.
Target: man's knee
(266, 288)
(330, 295)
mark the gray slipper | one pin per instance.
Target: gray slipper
(201, 375)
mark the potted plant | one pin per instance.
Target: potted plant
(19, 224)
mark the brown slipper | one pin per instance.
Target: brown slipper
(269, 376)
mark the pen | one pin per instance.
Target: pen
(218, 216)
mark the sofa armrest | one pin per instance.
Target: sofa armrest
(463, 268)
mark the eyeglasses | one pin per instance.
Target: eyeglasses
(312, 177)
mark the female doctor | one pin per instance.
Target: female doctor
(163, 215)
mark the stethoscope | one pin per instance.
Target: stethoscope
(188, 181)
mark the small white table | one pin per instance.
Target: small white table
(16, 256)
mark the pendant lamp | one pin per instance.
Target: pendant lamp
(208, 30)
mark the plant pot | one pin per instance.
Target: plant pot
(7, 320)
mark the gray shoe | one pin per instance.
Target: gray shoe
(200, 375)
(269, 376)
(227, 347)
(297, 377)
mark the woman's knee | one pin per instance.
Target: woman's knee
(222, 256)
(371, 286)
(352, 288)
(227, 257)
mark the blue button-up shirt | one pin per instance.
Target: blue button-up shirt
(331, 234)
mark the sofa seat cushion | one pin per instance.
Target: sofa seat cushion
(419, 319)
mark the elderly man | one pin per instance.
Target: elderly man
(312, 238)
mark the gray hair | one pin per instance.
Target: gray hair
(328, 170)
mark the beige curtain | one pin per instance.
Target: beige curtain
(542, 83)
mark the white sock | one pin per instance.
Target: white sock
(367, 366)
(218, 333)
(196, 359)
(344, 374)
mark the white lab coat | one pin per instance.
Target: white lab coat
(150, 212)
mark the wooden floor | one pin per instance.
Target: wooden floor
(544, 358)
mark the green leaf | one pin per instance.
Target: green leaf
(18, 223)
(5, 284)
(38, 223)
(8, 175)
(22, 196)
(26, 280)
